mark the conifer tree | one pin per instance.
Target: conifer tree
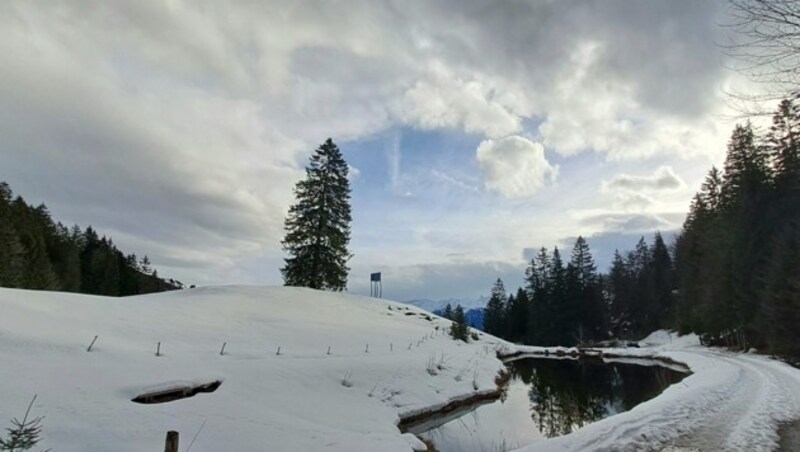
(517, 315)
(459, 329)
(448, 312)
(663, 282)
(585, 314)
(558, 330)
(620, 288)
(12, 253)
(38, 253)
(494, 320)
(540, 314)
(783, 141)
(318, 225)
(583, 262)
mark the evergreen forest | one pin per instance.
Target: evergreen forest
(40, 254)
(732, 275)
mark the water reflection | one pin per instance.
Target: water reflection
(565, 394)
(549, 397)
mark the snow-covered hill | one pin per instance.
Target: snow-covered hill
(387, 360)
(378, 369)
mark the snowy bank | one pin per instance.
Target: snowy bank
(386, 361)
(731, 401)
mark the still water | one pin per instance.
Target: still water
(546, 398)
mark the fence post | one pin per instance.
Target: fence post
(172, 442)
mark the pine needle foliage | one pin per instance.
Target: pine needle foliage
(24, 434)
(318, 224)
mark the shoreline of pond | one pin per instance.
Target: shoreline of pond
(442, 414)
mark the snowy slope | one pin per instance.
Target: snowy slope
(297, 400)
(292, 401)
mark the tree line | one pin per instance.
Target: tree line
(738, 256)
(570, 303)
(732, 274)
(40, 254)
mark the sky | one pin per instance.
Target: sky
(477, 131)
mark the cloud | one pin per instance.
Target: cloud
(448, 102)
(181, 128)
(632, 222)
(628, 201)
(663, 179)
(352, 172)
(452, 181)
(515, 166)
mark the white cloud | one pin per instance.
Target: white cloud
(628, 201)
(587, 110)
(663, 179)
(627, 222)
(352, 173)
(181, 128)
(515, 166)
(444, 101)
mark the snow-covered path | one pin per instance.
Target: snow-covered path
(731, 402)
(758, 395)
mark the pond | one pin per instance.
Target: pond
(548, 397)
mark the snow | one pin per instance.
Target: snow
(297, 400)
(292, 401)
(732, 401)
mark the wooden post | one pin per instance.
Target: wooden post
(90, 345)
(172, 442)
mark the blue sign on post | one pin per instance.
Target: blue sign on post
(375, 285)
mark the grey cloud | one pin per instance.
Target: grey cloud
(632, 201)
(662, 47)
(633, 222)
(663, 178)
(181, 127)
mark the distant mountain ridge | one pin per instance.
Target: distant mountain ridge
(437, 305)
(473, 309)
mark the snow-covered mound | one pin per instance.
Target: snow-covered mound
(386, 360)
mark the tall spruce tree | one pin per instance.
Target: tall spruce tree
(517, 315)
(585, 306)
(783, 142)
(663, 283)
(620, 288)
(494, 320)
(318, 225)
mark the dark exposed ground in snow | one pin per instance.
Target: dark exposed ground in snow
(790, 436)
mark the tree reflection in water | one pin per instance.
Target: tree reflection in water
(567, 394)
